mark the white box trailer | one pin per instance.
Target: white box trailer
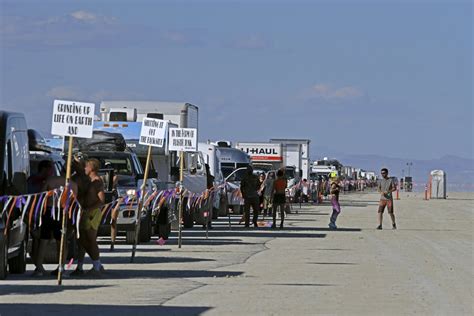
(264, 154)
(295, 153)
(185, 115)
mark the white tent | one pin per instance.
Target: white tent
(438, 184)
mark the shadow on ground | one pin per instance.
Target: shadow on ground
(300, 284)
(150, 260)
(29, 289)
(103, 310)
(166, 274)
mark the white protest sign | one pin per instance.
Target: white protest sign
(153, 132)
(74, 119)
(183, 139)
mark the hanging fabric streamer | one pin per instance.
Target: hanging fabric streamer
(38, 206)
(24, 211)
(12, 206)
(7, 200)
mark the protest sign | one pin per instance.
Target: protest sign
(72, 118)
(183, 139)
(153, 132)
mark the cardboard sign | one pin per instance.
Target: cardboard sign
(183, 139)
(74, 119)
(153, 132)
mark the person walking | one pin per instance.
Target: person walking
(279, 197)
(93, 200)
(268, 193)
(386, 186)
(261, 188)
(336, 207)
(249, 187)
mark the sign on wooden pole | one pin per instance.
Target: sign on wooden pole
(153, 134)
(73, 119)
(182, 140)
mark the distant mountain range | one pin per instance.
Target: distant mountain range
(459, 171)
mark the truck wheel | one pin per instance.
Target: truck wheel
(130, 237)
(17, 264)
(3, 257)
(188, 220)
(145, 230)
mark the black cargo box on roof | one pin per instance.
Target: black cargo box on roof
(36, 142)
(101, 141)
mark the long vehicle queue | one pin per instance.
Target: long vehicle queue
(109, 191)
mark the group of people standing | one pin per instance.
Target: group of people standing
(267, 193)
(88, 188)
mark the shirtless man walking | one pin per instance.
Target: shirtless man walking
(385, 187)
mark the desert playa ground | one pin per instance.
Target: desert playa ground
(424, 267)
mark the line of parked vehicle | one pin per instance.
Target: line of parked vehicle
(115, 144)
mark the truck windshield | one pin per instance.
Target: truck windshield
(226, 171)
(237, 175)
(290, 173)
(122, 166)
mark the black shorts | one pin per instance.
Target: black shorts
(49, 227)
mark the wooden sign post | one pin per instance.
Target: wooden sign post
(72, 119)
(182, 140)
(181, 198)
(153, 134)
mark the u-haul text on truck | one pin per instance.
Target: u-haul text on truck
(262, 152)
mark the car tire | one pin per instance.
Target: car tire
(145, 230)
(17, 265)
(3, 257)
(188, 219)
(130, 237)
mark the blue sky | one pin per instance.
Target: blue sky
(358, 77)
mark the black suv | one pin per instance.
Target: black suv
(14, 172)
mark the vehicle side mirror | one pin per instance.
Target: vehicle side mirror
(19, 182)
